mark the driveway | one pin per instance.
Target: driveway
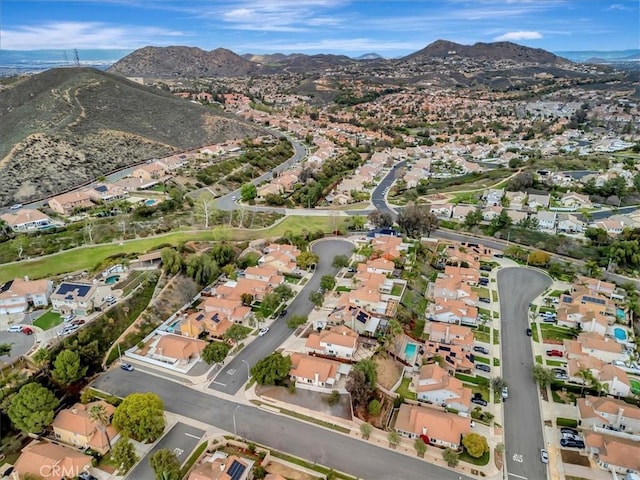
(20, 344)
(181, 440)
(517, 287)
(236, 373)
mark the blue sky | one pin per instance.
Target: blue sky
(352, 27)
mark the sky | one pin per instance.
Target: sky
(390, 28)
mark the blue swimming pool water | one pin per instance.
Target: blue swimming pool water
(149, 203)
(620, 334)
(171, 328)
(620, 313)
(112, 279)
(410, 350)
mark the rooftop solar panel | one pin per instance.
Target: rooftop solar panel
(236, 470)
(66, 287)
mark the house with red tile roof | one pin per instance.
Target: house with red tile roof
(51, 462)
(388, 246)
(220, 466)
(438, 387)
(451, 334)
(340, 342)
(608, 413)
(456, 358)
(454, 288)
(26, 220)
(436, 427)
(74, 426)
(66, 203)
(318, 373)
(613, 453)
(452, 311)
(17, 295)
(174, 349)
(213, 323)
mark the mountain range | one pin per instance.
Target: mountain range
(67, 126)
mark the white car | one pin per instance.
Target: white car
(263, 331)
(68, 330)
(15, 328)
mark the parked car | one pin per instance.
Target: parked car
(15, 328)
(263, 331)
(483, 282)
(485, 268)
(544, 456)
(69, 329)
(283, 312)
(498, 255)
(571, 443)
(68, 318)
(16, 206)
(483, 367)
(27, 331)
(569, 430)
(485, 300)
(479, 401)
(79, 321)
(554, 353)
(127, 366)
(86, 476)
(480, 349)
(529, 332)
(505, 393)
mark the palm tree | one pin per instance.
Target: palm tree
(98, 414)
(592, 269)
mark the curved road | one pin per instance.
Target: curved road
(236, 372)
(517, 287)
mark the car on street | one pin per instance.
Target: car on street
(16, 206)
(127, 366)
(283, 313)
(544, 456)
(505, 393)
(15, 328)
(554, 353)
(529, 332)
(263, 331)
(480, 349)
(479, 401)
(27, 331)
(483, 367)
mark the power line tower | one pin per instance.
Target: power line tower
(66, 58)
(76, 57)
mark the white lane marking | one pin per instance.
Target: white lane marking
(192, 436)
(517, 476)
(218, 383)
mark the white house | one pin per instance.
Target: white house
(26, 219)
(17, 295)
(341, 342)
(609, 413)
(436, 386)
(568, 223)
(546, 220)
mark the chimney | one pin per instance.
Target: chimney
(316, 378)
(619, 417)
(424, 430)
(446, 335)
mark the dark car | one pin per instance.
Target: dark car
(485, 300)
(481, 349)
(283, 312)
(479, 401)
(127, 366)
(86, 476)
(569, 430)
(570, 443)
(483, 367)
(485, 268)
(483, 282)
(529, 332)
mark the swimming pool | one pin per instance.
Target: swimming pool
(620, 334)
(149, 202)
(620, 313)
(112, 279)
(171, 328)
(410, 351)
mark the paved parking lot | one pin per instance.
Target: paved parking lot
(182, 439)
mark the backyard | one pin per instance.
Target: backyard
(388, 370)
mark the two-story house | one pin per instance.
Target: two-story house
(26, 220)
(340, 342)
(74, 426)
(436, 386)
(78, 298)
(315, 373)
(17, 295)
(50, 461)
(66, 203)
(609, 413)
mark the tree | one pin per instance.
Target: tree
(502, 221)
(380, 220)
(365, 430)
(247, 299)
(475, 444)
(498, 383)
(369, 368)
(41, 357)
(235, 333)
(374, 408)
(358, 387)
(33, 408)
(316, 298)
(269, 304)
(222, 253)
(450, 456)
(259, 472)
(140, 416)
(99, 415)
(171, 260)
(306, 259)
(394, 439)
(5, 349)
(272, 369)
(420, 446)
(417, 221)
(542, 375)
(340, 261)
(296, 320)
(67, 368)
(327, 282)
(204, 208)
(539, 258)
(284, 292)
(202, 268)
(473, 218)
(248, 192)
(165, 465)
(215, 352)
(124, 455)
(592, 269)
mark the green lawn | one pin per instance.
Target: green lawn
(555, 293)
(485, 312)
(496, 337)
(552, 332)
(534, 330)
(48, 320)
(483, 460)
(556, 363)
(494, 295)
(403, 389)
(482, 334)
(482, 360)
(396, 290)
(496, 362)
(343, 289)
(482, 291)
(539, 359)
(86, 258)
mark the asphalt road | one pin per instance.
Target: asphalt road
(522, 421)
(181, 440)
(236, 373)
(313, 443)
(378, 195)
(20, 344)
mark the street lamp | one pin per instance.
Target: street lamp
(248, 370)
(235, 433)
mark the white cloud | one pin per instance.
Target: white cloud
(519, 35)
(85, 35)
